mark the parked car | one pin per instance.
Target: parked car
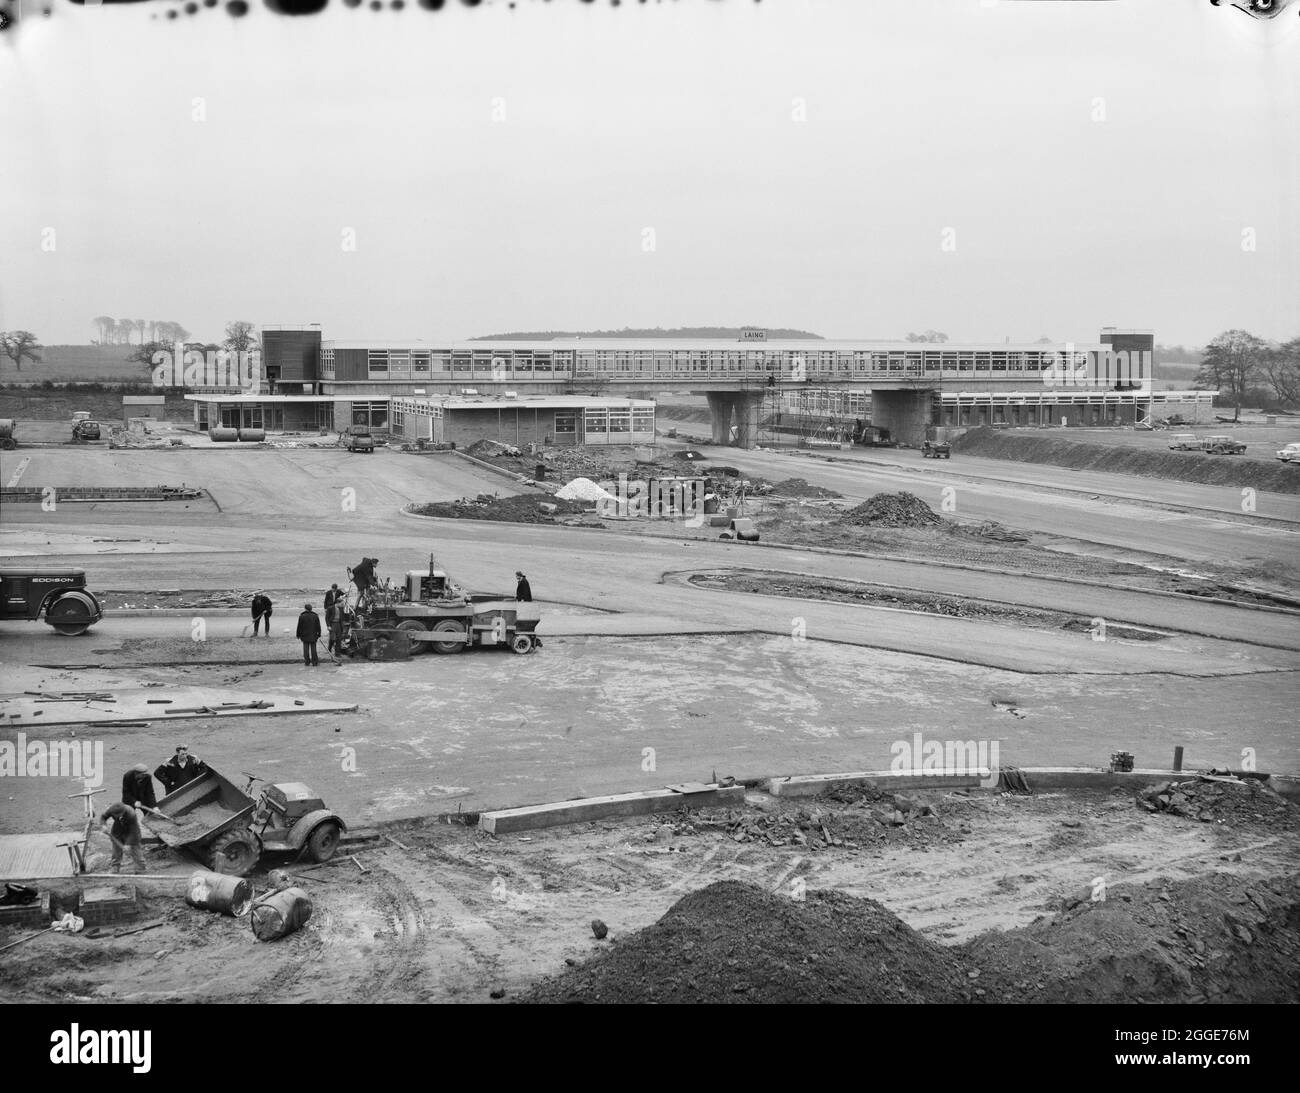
(357, 438)
(1222, 445)
(1185, 442)
(1291, 453)
(85, 429)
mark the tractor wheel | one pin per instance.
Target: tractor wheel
(447, 626)
(234, 853)
(413, 627)
(323, 841)
(8, 443)
(69, 615)
(521, 644)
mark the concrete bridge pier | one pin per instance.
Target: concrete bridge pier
(720, 408)
(904, 413)
(741, 408)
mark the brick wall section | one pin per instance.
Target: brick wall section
(104, 905)
(34, 915)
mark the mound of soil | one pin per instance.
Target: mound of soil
(893, 510)
(733, 942)
(523, 509)
(797, 487)
(1220, 938)
(1244, 802)
(1154, 462)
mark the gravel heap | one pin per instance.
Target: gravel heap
(893, 510)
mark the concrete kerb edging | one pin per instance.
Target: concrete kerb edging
(809, 785)
(584, 810)
(648, 802)
(515, 476)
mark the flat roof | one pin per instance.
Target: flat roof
(541, 402)
(208, 397)
(716, 344)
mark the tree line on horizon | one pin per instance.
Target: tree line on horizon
(118, 331)
(240, 337)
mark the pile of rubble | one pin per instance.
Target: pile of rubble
(1224, 799)
(893, 510)
(491, 449)
(798, 487)
(870, 816)
(523, 509)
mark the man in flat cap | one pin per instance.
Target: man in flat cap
(309, 635)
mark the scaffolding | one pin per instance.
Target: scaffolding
(826, 415)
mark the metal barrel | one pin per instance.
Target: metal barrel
(279, 915)
(219, 892)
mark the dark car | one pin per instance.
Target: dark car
(357, 438)
(85, 430)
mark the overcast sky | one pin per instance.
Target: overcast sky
(797, 162)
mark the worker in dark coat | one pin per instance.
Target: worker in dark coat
(333, 606)
(309, 635)
(180, 770)
(137, 787)
(125, 833)
(261, 612)
(363, 575)
(523, 591)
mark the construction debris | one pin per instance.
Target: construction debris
(893, 510)
(1221, 799)
(521, 509)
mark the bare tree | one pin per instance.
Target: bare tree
(20, 345)
(1231, 363)
(105, 325)
(240, 337)
(1281, 368)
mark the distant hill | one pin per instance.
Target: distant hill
(732, 332)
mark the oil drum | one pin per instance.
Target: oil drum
(219, 892)
(279, 915)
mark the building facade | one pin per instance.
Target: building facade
(312, 383)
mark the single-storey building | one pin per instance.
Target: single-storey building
(153, 407)
(557, 420)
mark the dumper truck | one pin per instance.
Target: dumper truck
(229, 830)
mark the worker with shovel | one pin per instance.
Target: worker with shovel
(137, 787)
(124, 833)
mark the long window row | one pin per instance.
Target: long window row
(507, 365)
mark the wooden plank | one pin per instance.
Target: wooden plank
(35, 857)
